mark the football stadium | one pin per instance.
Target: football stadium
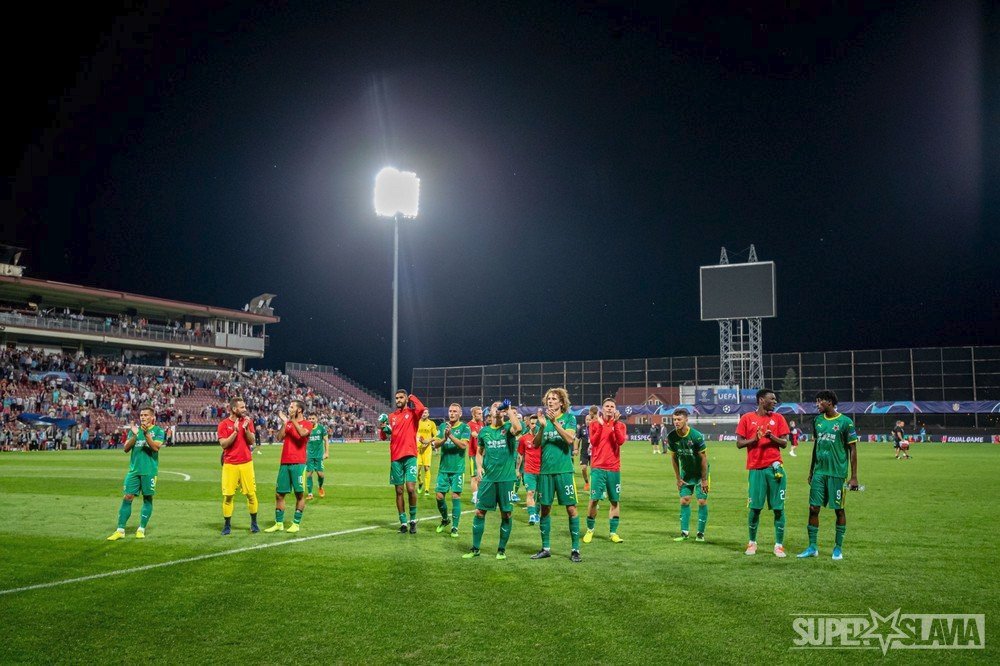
(343, 334)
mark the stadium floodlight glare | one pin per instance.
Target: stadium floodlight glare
(397, 194)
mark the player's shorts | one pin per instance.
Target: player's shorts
(828, 491)
(530, 482)
(654, 442)
(314, 464)
(585, 453)
(472, 467)
(424, 459)
(239, 477)
(495, 493)
(605, 481)
(403, 471)
(139, 484)
(560, 487)
(291, 478)
(693, 487)
(763, 486)
(895, 444)
(449, 482)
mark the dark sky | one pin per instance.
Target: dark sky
(577, 164)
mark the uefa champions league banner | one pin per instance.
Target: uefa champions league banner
(714, 409)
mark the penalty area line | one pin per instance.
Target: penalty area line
(198, 558)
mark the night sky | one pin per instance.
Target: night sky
(577, 164)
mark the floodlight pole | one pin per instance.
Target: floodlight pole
(395, 305)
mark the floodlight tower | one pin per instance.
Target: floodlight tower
(397, 194)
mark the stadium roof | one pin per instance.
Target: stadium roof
(60, 294)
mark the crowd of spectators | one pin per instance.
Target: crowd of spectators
(102, 396)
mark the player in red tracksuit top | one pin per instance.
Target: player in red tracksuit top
(402, 424)
(607, 434)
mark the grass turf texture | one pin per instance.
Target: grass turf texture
(921, 538)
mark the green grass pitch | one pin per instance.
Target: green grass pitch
(922, 537)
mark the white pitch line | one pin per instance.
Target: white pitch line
(197, 558)
(187, 477)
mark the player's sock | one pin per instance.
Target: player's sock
(478, 527)
(145, 512)
(227, 507)
(702, 517)
(320, 478)
(813, 535)
(253, 518)
(279, 516)
(779, 527)
(402, 519)
(841, 530)
(505, 525)
(413, 513)
(532, 511)
(456, 512)
(309, 484)
(443, 509)
(124, 512)
(614, 524)
(592, 523)
(297, 517)
(685, 518)
(228, 520)
(545, 527)
(427, 480)
(753, 521)
(574, 531)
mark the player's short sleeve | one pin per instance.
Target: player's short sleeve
(568, 422)
(250, 427)
(780, 425)
(850, 433)
(699, 442)
(743, 427)
(158, 434)
(464, 432)
(225, 429)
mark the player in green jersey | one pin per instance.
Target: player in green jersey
(496, 465)
(317, 450)
(690, 460)
(453, 441)
(143, 443)
(555, 437)
(834, 446)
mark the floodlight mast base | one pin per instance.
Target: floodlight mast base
(395, 305)
(741, 358)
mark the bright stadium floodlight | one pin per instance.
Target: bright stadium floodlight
(397, 194)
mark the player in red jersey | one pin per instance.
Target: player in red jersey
(295, 430)
(793, 438)
(762, 433)
(530, 456)
(607, 434)
(475, 425)
(403, 424)
(237, 437)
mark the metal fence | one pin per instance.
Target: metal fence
(935, 373)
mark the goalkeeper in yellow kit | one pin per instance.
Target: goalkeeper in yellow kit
(426, 430)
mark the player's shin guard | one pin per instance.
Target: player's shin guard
(685, 518)
(591, 523)
(227, 507)
(545, 527)
(574, 531)
(505, 525)
(124, 512)
(309, 484)
(478, 527)
(297, 517)
(753, 521)
(702, 517)
(443, 509)
(320, 478)
(145, 512)
(840, 532)
(456, 512)
(413, 513)
(779, 526)
(614, 522)
(813, 535)
(279, 516)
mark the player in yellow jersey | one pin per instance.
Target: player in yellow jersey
(426, 430)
